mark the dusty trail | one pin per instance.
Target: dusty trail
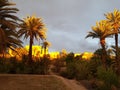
(37, 82)
(72, 84)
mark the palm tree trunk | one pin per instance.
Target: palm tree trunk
(116, 44)
(116, 58)
(3, 50)
(104, 53)
(44, 50)
(30, 49)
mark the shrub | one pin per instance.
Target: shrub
(82, 70)
(94, 63)
(2, 65)
(108, 77)
(7, 65)
(13, 66)
(69, 58)
(71, 70)
(58, 64)
(77, 69)
(40, 66)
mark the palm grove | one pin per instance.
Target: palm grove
(107, 28)
(12, 28)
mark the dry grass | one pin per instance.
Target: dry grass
(31, 82)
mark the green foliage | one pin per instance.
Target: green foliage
(13, 66)
(71, 70)
(43, 65)
(77, 69)
(82, 70)
(58, 64)
(3, 65)
(70, 58)
(94, 63)
(107, 77)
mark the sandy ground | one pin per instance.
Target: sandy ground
(37, 82)
(72, 84)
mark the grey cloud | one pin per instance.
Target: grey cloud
(68, 21)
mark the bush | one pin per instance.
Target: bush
(107, 77)
(82, 70)
(42, 66)
(7, 65)
(13, 66)
(71, 70)
(94, 63)
(58, 64)
(69, 58)
(77, 69)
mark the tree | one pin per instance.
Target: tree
(33, 28)
(46, 44)
(98, 53)
(114, 19)
(102, 30)
(8, 25)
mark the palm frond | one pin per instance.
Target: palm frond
(32, 26)
(8, 25)
(92, 34)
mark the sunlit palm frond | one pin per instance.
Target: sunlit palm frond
(102, 29)
(114, 18)
(32, 26)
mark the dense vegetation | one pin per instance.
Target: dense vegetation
(102, 70)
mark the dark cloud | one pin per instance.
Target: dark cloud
(68, 21)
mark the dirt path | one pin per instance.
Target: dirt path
(72, 84)
(37, 82)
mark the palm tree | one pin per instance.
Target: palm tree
(12, 40)
(8, 25)
(114, 19)
(34, 28)
(101, 31)
(46, 44)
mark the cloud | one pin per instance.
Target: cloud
(68, 21)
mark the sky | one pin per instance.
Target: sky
(68, 21)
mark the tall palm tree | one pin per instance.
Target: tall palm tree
(33, 28)
(46, 44)
(102, 30)
(114, 19)
(8, 25)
